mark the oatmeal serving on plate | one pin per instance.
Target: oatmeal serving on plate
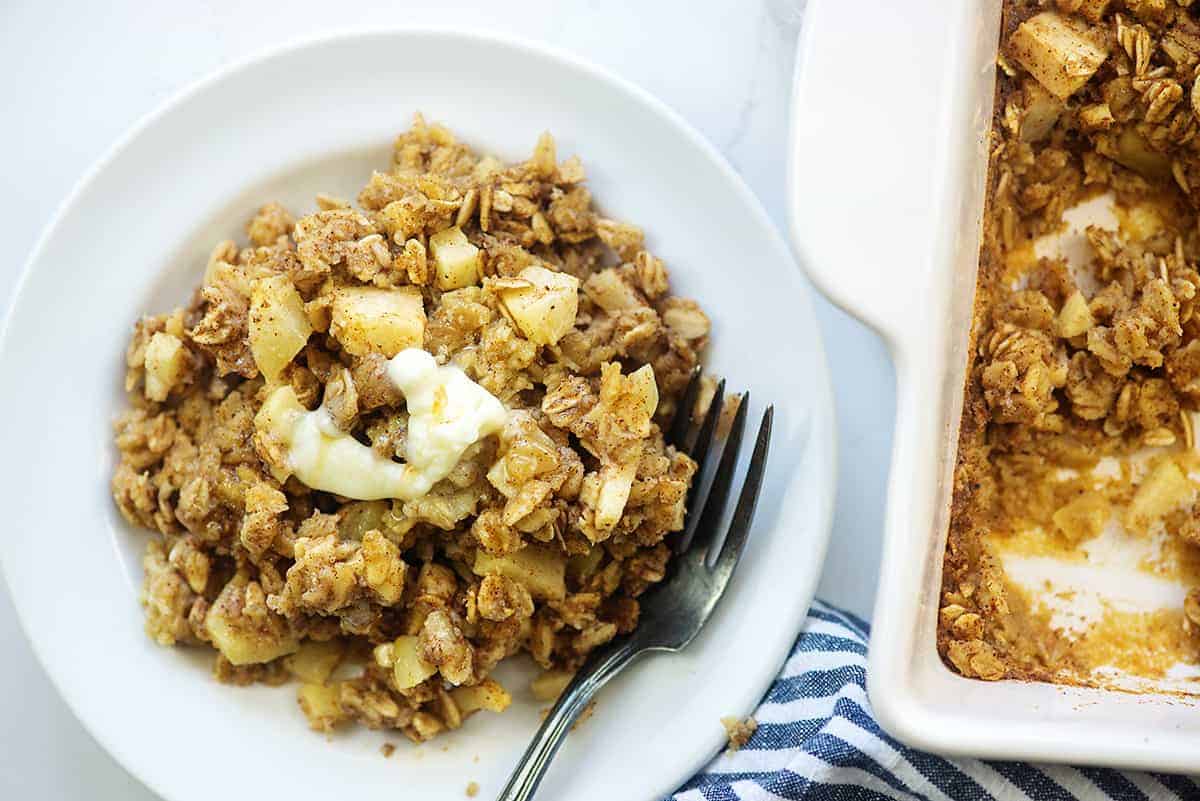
(1073, 549)
(389, 444)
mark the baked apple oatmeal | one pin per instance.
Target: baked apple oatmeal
(388, 445)
(1077, 445)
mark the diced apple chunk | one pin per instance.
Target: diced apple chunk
(165, 361)
(279, 413)
(456, 261)
(1162, 491)
(320, 705)
(247, 639)
(1056, 52)
(616, 482)
(276, 422)
(1042, 111)
(487, 694)
(583, 566)
(542, 303)
(314, 662)
(1134, 152)
(408, 668)
(541, 570)
(279, 325)
(356, 519)
(645, 388)
(369, 320)
(1075, 318)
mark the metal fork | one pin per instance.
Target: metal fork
(674, 611)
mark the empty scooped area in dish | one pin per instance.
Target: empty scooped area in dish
(1100, 602)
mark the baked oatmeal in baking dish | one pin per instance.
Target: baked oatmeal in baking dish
(1073, 553)
(389, 444)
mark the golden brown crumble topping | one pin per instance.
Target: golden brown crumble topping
(540, 540)
(1072, 368)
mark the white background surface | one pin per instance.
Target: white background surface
(77, 75)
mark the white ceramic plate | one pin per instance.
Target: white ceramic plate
(134, 237)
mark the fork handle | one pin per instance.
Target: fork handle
(602, 665)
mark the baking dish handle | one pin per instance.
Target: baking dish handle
(863, 148)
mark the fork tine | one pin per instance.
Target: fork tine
(703, 478)
(682, 420)
(718, 494)
(739, 527)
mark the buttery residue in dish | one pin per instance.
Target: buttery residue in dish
(1077, 582)
(1073, 549)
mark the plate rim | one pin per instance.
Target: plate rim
(821, 397)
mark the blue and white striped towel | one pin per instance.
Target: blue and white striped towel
(817, 740)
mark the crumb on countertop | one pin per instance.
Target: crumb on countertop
(387, 749)
(472, 789)
(739, 730)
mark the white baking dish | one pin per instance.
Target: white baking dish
(888, 159)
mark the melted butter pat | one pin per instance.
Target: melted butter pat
(448, 412)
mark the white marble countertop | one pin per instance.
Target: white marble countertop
(76, 75)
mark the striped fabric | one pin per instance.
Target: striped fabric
(818, 740)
